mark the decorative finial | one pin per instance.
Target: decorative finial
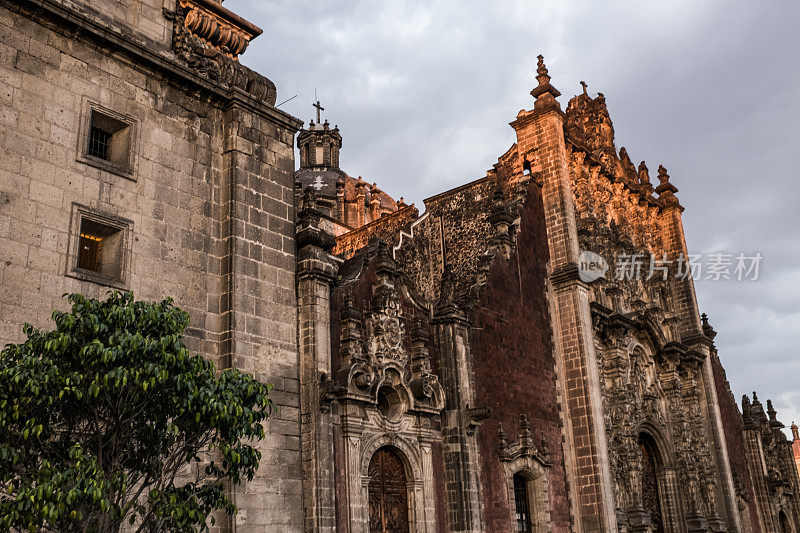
(309, 199)
(349, 310)
(524, 425)
(501, 434)
(708, 330)
(544, 93)
(583, 84)
(541, 69)
(666, 190)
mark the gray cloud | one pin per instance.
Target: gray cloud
(423, 93)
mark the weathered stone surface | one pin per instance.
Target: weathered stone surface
(209, 203)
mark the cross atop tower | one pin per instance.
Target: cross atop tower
(583, 84)
(319, 108)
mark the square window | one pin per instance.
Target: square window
(108, 140)
(100, 249)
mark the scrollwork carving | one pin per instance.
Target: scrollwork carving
(209, 45)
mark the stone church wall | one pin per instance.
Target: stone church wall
(204, 204)
(514, 367)
(732, 425)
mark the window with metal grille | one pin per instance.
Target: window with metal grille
(109, 139)
(98, 143)
(523, 511)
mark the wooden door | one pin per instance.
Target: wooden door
(388, 501)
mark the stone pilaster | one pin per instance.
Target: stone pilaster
(464, 511)
(540, 142)
(257, 316)
(316, 271)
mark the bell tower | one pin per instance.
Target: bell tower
(319, 144)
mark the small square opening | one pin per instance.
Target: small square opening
(100, 249)
(109, 139)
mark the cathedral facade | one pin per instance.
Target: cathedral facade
(527, 354)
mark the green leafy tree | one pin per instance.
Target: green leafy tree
(109, 419)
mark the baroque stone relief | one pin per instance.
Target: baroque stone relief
(209, 39)
(651, 386)
(386, 394)
(377, 361)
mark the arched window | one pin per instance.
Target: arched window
(522, 504)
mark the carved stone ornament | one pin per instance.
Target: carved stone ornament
(377, 364)
(523, 446)
(218, 27)
(209, 39)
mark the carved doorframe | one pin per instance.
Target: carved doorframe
(415, 454)
(537, 476)
(666, 478)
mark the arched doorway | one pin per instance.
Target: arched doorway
(784, 523)
(388, 501)
(651, 500)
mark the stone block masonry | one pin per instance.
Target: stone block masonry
(208, 205)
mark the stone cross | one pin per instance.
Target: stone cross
(319, 108)
(583, 84)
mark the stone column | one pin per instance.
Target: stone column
(316, 271)
(540, 139)
(464, 511)
(361, 204)
(357, 487)
(427, 512)
(669, 488)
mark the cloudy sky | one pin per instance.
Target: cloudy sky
(423, 92)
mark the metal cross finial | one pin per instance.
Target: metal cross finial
(318, 106)
(583, 84)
